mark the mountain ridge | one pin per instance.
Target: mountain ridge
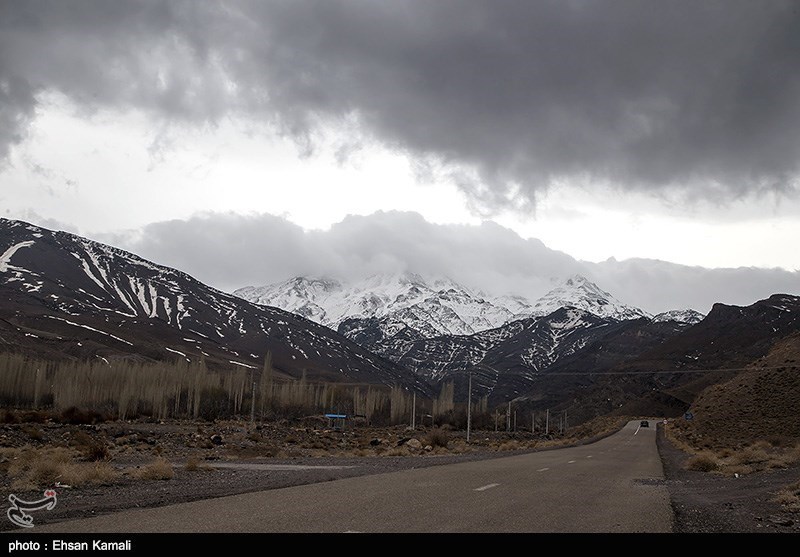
(435, 306)
(84, 299)
(66, 297)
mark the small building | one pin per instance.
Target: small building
(336, 421)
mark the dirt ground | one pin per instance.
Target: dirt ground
(227, 458)
(706, 502)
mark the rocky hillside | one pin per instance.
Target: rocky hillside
(64, 296)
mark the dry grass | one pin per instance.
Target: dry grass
(31, 469)
(511, 445)
(85, 473)
(159, 469)
(97, 452)
(790, 497)
(92, 449)
(758, 456)
(793, 454)
(704, 462)
(195, 465)
(761, 455)
(755, 454)
(437, 438)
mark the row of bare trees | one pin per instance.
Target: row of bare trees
(182, 389)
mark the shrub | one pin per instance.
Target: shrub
(83, 473)
(96, 451)
(511, 445)
(42, 473)
(27, 460)
(194, 465)
(91, 449)
(35, 469)
(779, 441)
(750, 455)
(159, 469)
(703, 462)
(33, 416)
(76, 416)
(9, 417)
(437, 438)
(789, 497)
(762, 444)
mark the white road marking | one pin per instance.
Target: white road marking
(485, 487)
(570, 462)
(590, 456)
(637, 430)
(543, 469)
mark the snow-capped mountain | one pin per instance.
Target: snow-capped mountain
(302, 296)
(62, 295)
(432, 307)
(527, 345)
(686, 316)
(509, 361)
(439, 329)
(579, 292)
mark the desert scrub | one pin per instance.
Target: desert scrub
(703, 462)
(159, 469)
(33, 469)
(790, 497)
(194, 465)
(511, 445)
(94, 449)
(437, 438)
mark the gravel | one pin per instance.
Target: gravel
(706, 502)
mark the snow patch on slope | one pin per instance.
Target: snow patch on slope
(688, 316)
(5, 258)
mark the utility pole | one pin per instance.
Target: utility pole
(496, 417)
(565, 421)
(533, 422)
(547, 422)
(515, 420)
(253, 404)
(469, 405)
(414, 411)
(508, 417)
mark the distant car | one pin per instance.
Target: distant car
(644, 423)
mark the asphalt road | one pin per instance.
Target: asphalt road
(613, 485)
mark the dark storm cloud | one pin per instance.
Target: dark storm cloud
(699, 98)
(230, 251)
(123, 55)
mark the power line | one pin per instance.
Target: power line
(667, 371)
(652, 372)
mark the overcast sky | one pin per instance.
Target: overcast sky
(504, 143)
